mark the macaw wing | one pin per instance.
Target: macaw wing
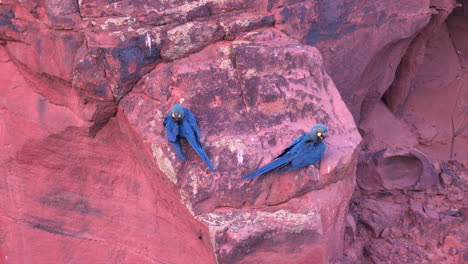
(294, 145)
(172, 128)
(276, 163)
(316, 153)
(178, 150)
(192, 121)
(191, 133)
(280, 161)
(172, 133)
(306, 155)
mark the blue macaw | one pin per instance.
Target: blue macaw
(305, 150)
(180, 123)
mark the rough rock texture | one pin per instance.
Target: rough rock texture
(383, 28)
(429, 91)
(391, 169)
(261, 92)
(69, 198)
(396, 96)
(111, 45)
(397, 224)
(409, 206)
(257, 74)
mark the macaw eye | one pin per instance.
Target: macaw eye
(173, 115)
(319, 129)
(180, 116)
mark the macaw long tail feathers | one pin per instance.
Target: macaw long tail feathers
(287, 169)
(178, 150)
(205, 158)
(277, 163)
(201, 153)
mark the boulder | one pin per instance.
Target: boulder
(252, 97)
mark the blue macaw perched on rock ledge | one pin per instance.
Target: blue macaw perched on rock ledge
(305, 150)
(181, 123)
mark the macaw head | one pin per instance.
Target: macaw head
(318, 132)
(177, 113)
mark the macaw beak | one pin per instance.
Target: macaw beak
(176, 117)
(321, 135)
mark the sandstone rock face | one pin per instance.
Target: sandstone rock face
(111, 45)
(370, 36)
(409, 205)
(404, 225)
(393, 169)
(256, 96)
(426, 99)
(69, 198)
(257, 74)
(396, 95)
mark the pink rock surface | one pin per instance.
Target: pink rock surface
(68, 198)
(433, 102)
(437, 87)
(370, 36)
(409, 205)
(395, 170)
(411, 226)
(251, 74)
(252, 97)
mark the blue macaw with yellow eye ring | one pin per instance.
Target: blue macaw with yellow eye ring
(181, 123)
(305, 150)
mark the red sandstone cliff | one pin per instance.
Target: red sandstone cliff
(88, 177)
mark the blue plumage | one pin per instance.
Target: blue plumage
(181, 123)
(305, 150)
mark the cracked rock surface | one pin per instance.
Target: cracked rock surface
(88, 176)
(261, 92)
